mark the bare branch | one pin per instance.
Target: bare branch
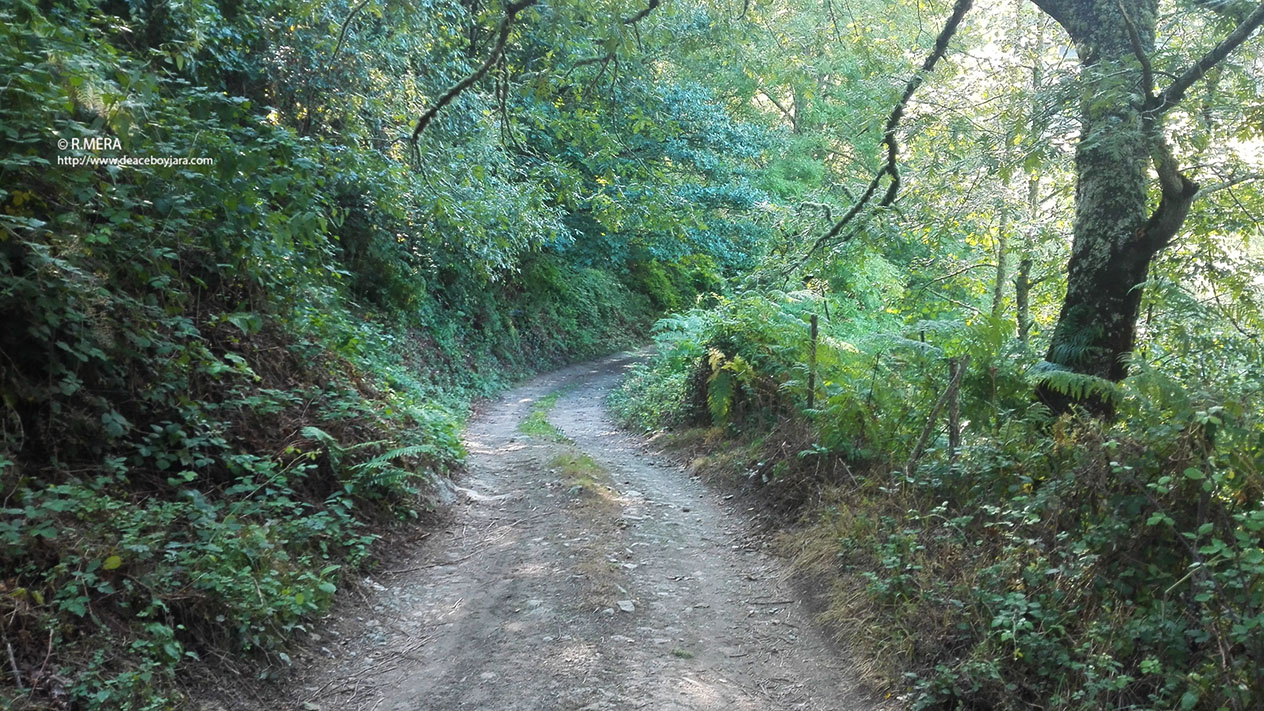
(1174, 93)
(891, 168)
(342, 35)
(511, 11)
(1147, 69)
(641, 15)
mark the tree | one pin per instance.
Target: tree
(1116, 233)
(1124, 215)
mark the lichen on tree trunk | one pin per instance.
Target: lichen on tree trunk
(1121, 135)
(1114, 243)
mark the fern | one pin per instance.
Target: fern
(1077, 386)
(318, 435)
(388, 477)
(720, 391)
(415, 450)
(1074, 347)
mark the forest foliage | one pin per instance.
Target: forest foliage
(982, 549)
(223, 382)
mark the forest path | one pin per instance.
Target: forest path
(563, 582)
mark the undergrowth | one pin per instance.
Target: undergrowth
(1064, 563)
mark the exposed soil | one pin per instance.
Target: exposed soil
(568, 582)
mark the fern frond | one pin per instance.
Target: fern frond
(316, 434)
(381, 460)
(720, 395)
(1077, 386)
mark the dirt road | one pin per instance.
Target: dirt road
(577, 573)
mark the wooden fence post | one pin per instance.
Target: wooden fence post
(812, 367)
(950, 395)
(955, 366)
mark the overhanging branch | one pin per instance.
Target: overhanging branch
(891, 168)
(1174, 93)
(502, 36)
(642, 14)
(893, 121)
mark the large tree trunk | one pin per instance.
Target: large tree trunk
(1115, 236)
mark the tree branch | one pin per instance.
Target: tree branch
(1236, 9)
(1147, 69)
(1232, 182)
(502, 37)
(893, 121)
(342, 35)
(781, 108)
(602, 59)
(1177, 195)
(891, 168)
(829, 212)
(954, 381)
(851, 214)
(606, 58)
(955, 273)
(1176, 91)
(641, 15)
